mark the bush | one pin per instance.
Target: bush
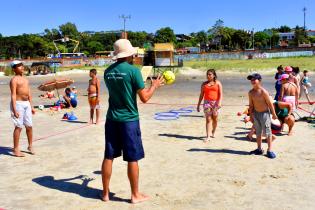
(8, 72)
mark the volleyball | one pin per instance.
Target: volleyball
(169, 77)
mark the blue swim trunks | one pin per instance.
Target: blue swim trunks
(123, 137)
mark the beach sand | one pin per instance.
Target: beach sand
(179, 170)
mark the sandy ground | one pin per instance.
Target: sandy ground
(179, 170)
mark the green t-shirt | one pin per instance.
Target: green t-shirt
(123, 81)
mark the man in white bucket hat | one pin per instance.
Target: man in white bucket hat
(122, 127)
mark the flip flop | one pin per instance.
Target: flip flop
(271, 155)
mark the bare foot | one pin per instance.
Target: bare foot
(206, 140)
(91, 122)
(249, 138)
(18, 153)
(104, 197)
(139, 198)
(31, 150)
(290, 133)
(97, 123)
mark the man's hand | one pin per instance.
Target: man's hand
(274, 117)
(33, 111)
(16, 114)
(198, 108)
(158, 82)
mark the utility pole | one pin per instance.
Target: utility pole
(125, 17)
(304, 11)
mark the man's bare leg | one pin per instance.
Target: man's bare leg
(29, 133)
(16, 139)
(91, 115)
(133, 175)
(106, 174)
(259, 140)
(97, 116)
(269, 142)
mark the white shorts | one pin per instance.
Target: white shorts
(25, 114)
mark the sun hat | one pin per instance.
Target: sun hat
(283, 76)
(254, 76)
(123, 49)
(15, 62)
(288, 69)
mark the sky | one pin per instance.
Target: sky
(184, 16)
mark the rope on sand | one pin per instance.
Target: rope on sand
(312, 113)
(172, 114)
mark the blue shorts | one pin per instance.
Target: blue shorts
(123, 137)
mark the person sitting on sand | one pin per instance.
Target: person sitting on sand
(48, 94)
(70, 99)
(260, 107)
(211, 92)
(284, 113)
(21, 107)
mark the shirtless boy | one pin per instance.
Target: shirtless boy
(289, 91)
(21, 109)
(260, 107)
(93, 95)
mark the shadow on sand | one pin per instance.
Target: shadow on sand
(82, 190)
(182, 136)
(75, 121)
(6, 151)
(228, 151)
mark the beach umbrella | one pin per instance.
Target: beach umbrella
(55, 84)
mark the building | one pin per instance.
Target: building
(286, 36)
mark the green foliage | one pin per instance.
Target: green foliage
(253, 65)
(94, 46)
(165, 35)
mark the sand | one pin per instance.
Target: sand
(179, 170)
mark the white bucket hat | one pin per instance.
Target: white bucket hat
(123, 49)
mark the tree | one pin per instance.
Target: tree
(300, 36)
(69, 29)
(240, 38)
(261, 39)
(94, 46)
(284, 29)
(165, 35)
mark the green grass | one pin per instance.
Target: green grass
(253, 65)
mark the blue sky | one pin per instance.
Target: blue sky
(33, 16)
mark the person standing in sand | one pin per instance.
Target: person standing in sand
(211, 92)
(21, 108)
(260, 106)
(289, 91)
(122, 127)
(93, 96)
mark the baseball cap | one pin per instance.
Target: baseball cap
(283, 76)
(288, 69)
(15, 62)
(254, 76)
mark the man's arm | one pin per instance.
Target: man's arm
(98, 91)
(13, 97)
(250, 103)
(270, 105)
(30, 100)
(146, 93)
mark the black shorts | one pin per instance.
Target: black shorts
(123, 137)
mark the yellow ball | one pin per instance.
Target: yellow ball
(169, 77)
